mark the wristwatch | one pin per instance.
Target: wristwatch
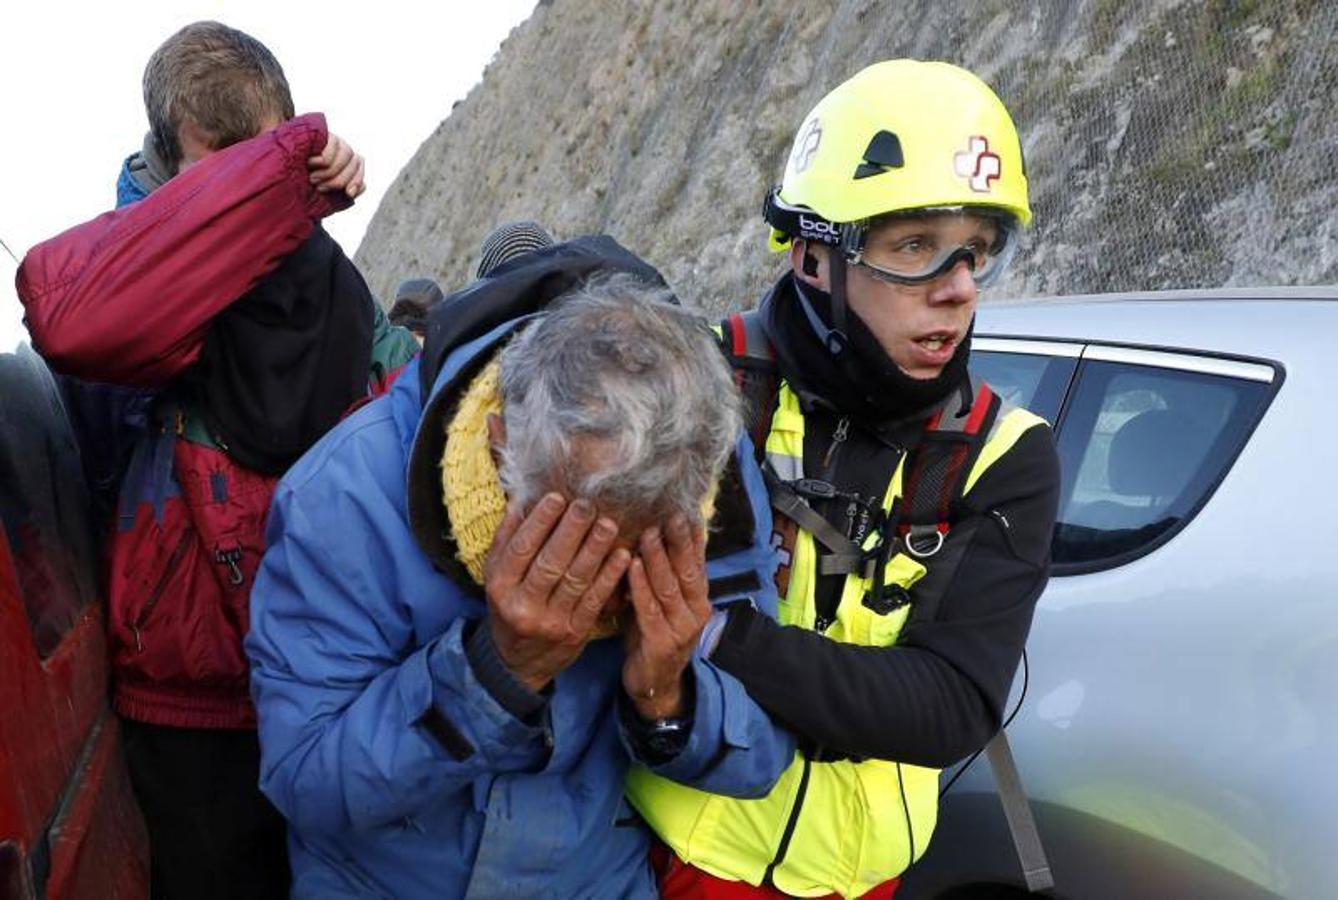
(660, 739)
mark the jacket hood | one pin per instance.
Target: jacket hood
(141, 174)
(464, 331)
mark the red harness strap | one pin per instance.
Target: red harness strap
(922, 515)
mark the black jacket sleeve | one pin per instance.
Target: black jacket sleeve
(939, 693)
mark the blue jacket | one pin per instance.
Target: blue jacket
(356, 646)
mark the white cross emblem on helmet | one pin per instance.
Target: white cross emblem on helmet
(978, 164)
(806, 147)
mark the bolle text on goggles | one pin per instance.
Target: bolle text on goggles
(920, 247)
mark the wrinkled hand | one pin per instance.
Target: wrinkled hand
(669, 596)
(337, 168)
(548, 576)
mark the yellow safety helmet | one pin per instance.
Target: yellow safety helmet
(901, 135)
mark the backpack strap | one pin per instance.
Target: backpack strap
(952, 442)
(746, 343)
(753, 361)
(789, 499)
(938, 468)
(1021, 823)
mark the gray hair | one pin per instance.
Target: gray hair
(618, 396)
(219, 79)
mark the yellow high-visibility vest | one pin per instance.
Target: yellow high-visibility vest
(860, 823)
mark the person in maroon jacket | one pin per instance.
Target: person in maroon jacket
(217, 300)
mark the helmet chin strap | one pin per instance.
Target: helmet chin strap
(837, 338)
(836, 266)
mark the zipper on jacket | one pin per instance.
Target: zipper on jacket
(1007, 528)
(838, 438)
(230, 558)
(790, 825)
(172, 562)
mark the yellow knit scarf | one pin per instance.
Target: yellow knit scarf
(475, 503)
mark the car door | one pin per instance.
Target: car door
(1125, 808)
(69, 826)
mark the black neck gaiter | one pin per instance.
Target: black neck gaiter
(863, 381)
(281, 365)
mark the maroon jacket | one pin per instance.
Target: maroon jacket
(126, 299)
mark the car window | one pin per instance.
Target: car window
(44, 505)
(1141, 448)
(1036, 381)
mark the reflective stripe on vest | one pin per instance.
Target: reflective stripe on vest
(852, 832)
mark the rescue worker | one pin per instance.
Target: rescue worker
(914, 508)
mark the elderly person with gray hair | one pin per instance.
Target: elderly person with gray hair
(484, 593)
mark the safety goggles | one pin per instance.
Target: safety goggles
(916, 249)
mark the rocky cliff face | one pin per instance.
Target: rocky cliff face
(1170, 143)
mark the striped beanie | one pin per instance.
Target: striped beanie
(508, 241)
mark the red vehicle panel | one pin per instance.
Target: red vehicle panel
(69, 827)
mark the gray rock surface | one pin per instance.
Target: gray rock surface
(1170, 143)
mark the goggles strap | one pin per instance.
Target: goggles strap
(798, 223)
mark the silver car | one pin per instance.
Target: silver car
(1181, 710)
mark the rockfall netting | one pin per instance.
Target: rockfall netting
(1190, 145)
(1170, 143)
